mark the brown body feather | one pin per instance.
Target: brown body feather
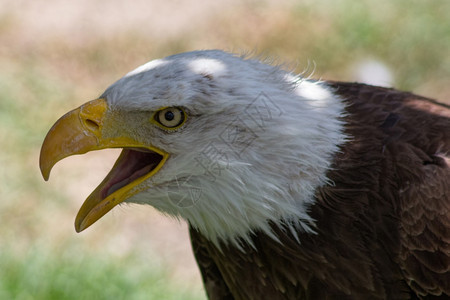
(383, 227)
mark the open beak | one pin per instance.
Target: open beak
(80, 131)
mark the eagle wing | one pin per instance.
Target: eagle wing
(425, 208)
(417, 141)
(425, 229)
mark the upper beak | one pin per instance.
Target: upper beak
(80, 131)
(77, 132)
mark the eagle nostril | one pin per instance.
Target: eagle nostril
(91, 124)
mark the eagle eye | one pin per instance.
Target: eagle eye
(170, 117)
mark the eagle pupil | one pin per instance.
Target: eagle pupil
(169, 116)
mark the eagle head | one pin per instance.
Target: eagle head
(229, 143)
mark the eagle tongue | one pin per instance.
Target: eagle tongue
(131, 165)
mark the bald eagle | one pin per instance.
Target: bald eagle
(292, 188)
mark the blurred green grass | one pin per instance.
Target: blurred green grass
(40, 274)
(42, 78)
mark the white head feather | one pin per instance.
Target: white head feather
(257, 143)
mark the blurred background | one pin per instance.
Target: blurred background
(56, 55)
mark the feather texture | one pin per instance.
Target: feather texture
(382, 228)
(297, 189)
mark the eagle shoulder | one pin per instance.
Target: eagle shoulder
(416, 156)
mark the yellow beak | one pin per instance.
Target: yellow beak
(80, 131)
